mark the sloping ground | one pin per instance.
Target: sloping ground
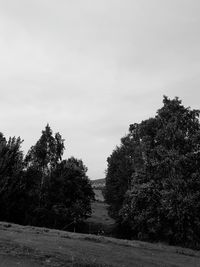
(98, 195)
(35, 247)
(100, 221)
(100, 214)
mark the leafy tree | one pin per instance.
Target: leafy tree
(31, 180)
(47, 152)
(11, 167)
(163, 201)
(118, 175)
(70, 192)
(61, 191)
(43, 189)
(45, 156)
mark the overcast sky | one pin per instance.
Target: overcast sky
(90, 68)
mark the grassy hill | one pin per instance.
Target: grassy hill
(100, 221)
(98, 195)
(35, 247)
(98, 183)
(27, 246)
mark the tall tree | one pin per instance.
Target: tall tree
(118, 175)
(11, 167)
(61, 191)
(45, 155)
(47, 152)
(163, 201)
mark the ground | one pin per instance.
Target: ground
(100, 221)
(35, 247)
(98, 195)
(100, 213)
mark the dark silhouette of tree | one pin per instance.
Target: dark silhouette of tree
(42, 189)
(45, 155)
(118, 176)
(62, 190)
(163, 201)
(11, 167)
(70, 192)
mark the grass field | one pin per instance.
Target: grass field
(100, 221)
(98, 183)
(36, 247)
(98, 195)
(100, 213)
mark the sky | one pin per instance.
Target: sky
(90, 68)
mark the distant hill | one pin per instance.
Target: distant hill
(98, 183)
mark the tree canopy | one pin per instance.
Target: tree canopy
(163, 199)
(11, 167)
(41, 188)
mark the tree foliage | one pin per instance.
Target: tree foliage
(163, 201)
(47, 152)
(70, 192)
(118, 176)
(11, 167)
(42, 189)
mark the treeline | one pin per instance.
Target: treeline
(41, 188)
(153, 177)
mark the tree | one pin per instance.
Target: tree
(61, 191)
(11, 167)
(70, 193)
(163, 201)
(118, 175)
(47, 152)
(45, 156)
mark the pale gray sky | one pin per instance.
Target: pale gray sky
(90, 68)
